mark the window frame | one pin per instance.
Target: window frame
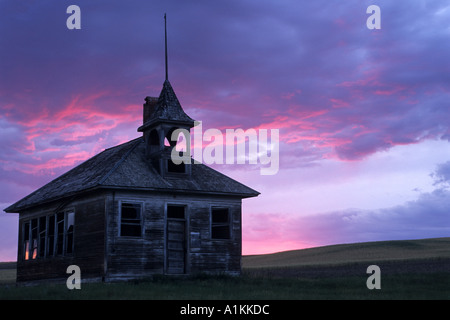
(34, 238)
(68, 233)
(228, 223)
(141, 224)
(26, 235)
(60, 234)
(51, 238)
(41, 238)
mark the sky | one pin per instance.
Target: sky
(363, 114)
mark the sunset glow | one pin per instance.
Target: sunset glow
(363, 115)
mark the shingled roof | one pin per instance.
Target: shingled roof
(126, 167)
(167, 109)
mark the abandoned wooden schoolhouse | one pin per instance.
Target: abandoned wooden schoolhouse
(130, 212)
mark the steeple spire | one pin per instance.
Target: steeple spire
(165, 38)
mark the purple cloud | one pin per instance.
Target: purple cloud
(335, 89)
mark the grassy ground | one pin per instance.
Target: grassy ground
(430, 286)
(334, 272)
(7, 273)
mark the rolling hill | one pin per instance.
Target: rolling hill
(389, 252)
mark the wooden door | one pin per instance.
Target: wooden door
(176, 240)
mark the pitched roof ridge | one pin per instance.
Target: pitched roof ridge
(122, 159)
(68, 173)
(60, 177)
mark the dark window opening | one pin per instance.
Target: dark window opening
(130, 225)
(220, 223)
(175, 212)
(69, 231)
(175, 168)
(59, 233)
(42, 234)
(51, 236)
(168, 142)
(154, 138)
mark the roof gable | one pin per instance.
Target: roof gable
(86, 175)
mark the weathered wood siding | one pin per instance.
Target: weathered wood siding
(162, 248)
(89, 241)
(131, 257)
(215, 255)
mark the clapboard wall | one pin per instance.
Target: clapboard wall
(129, 257)
(103, 254)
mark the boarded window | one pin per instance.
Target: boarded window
(130, 221)
(220, 223)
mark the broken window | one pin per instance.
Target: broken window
(48, 236)
(69, 231)
(220, 223)
(34, 238)
(51, 236)
(59, 233)
(26, 240)
(42, 234)
(130, 219)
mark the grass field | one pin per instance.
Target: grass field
(416, 269)
(355, 252)
(7, 273)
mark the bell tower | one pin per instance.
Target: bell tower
(164, 120)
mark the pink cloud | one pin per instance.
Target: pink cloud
(51, 142)
(390, 91)
(338, 103)
(334, 89)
